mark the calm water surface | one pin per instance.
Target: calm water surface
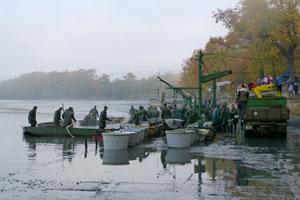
(61, 168)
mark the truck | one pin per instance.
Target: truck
(266, 115)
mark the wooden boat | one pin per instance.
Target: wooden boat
(48, 129)
(114, 120)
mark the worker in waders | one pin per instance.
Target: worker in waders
(132, 111)
(32, 117)
(165, 114)
(189, 116)
(94, 114)
(68, 116)
(224, 118)
(242, 99)
(142, 114)
(216, 118)
(233, 118)
(57, 117)
(103, 118)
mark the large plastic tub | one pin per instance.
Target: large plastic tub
(179, 138)
(140, 134)
(115, 140)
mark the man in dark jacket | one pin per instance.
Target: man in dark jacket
(57, 117)
(93, 115)
(165, 112)
(68, 117)
(32, 117)
(103, 118)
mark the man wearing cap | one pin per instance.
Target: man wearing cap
(103, 118)
(57, 118)
(68, 117)
(32, 117)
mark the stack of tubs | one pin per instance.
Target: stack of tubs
(123, 139)
(181, 138)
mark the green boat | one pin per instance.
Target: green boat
(48, 129)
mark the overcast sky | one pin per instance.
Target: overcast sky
(113, 36)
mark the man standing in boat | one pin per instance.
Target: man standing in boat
(93, 115)
(57, 117)
(68, 116)
(103, 118)
(32, 117)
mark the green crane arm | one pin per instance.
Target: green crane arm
(205, 79)
(215, 76)
(174, 88)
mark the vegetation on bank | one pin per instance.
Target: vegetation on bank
(262, 34)
(81, 84)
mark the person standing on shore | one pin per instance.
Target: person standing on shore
(242, 99)
(165, 112)
(32, 117)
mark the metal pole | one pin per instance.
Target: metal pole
(214, 92)
(199, 86)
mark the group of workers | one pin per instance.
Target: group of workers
(68, 117)
(223, 118)
(166, 112)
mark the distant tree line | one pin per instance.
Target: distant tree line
(80, 84)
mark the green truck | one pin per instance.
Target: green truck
(266, 116)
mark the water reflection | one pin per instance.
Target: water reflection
(115, 157)
(210, 167)
(67, 146)
(178, 156)
(122, 157)
(216, 168)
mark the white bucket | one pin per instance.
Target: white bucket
(115, 140)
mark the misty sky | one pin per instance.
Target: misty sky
(113, 36)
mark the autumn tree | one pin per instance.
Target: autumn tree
(268, 28)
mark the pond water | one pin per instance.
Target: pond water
(230, 167)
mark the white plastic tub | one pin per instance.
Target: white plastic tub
(140, 134)
(179, 138)
(115, 140)
(133, 139)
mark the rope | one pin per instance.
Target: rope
(68, 131)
